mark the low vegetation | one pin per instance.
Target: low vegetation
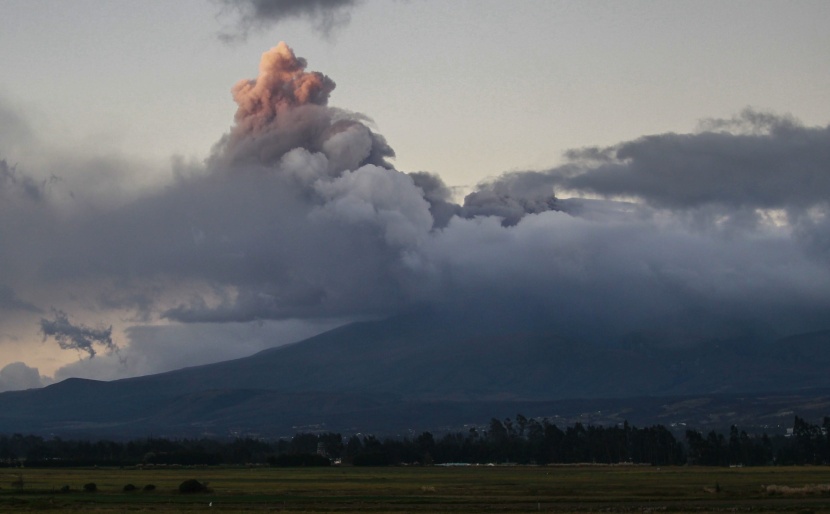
(561, 488)
(512, 465)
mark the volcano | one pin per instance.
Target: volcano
(426, 371)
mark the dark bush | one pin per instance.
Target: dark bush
(129, 487)
(90, 487)
(64, 489)
(149, 487)
(192, 486)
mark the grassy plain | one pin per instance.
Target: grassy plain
(425, 489)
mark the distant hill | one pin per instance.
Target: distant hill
(424, 371)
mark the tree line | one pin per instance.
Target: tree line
(520, 441)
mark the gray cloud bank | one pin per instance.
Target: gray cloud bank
(299, 215)
(752, 162)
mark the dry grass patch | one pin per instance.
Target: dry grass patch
(802, 490)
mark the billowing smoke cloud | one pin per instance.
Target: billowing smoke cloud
(285, 108)
(78, 337)
(325, 15)
(298, 215)
(511, 197)
(439, 197)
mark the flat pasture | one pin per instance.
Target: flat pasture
(585, 488)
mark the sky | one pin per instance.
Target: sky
(186, 182)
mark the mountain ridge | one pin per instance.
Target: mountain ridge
(395, 373)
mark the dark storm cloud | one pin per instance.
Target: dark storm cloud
(10, 179)
(10, 301)
(734, 173)
(769, 163)
(14, 131)
(79, 337)
(255, 15)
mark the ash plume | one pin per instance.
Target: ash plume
(282, 83)
(285, 108)
(298, 215)
(439, 197)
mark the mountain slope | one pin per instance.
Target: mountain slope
(423, 357)
(415, 371)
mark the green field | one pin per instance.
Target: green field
(424, 489)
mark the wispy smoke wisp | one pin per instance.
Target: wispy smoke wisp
(256, 15)
(76, 337)
(11, 179)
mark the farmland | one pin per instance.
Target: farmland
(583, 488)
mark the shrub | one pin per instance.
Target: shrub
(149, 487)
(129, 487)
(90, 487)
(192, 486)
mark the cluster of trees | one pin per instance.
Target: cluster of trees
(524, 441)
(37, 451)
(808, 444)
(811, 444)
(520, 440)
(740, 449)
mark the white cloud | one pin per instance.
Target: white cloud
(18, 376)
